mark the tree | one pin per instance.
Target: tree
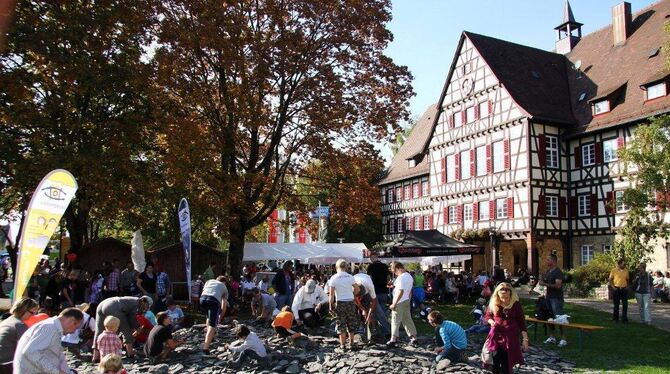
(75, 96)
(258, 88)
(647, 161)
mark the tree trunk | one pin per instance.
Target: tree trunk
(237, 233)
(13, 248)
(76, 223)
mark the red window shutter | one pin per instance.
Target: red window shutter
(459, 213)
(430, 218)
(508, 161)
(599, 153)
(573, 206)
(450, 121)
(542, 149)
(457, 162)
(561, 206)
(473, 164)
(609, 203)
(510, 207)
(490, 107)
(621, 142)
(489, 161)
(542, 205)
(475, 212)
(476, 111)
(444, 170)
(578, 157)
(464, 119)
(594, 204)
(492, 209)
(445, 215)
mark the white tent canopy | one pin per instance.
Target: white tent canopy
(312, 253)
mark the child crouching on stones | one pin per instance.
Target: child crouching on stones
(248, 345)
(283, 323)
(160, 342)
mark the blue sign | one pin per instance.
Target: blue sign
(323, 211)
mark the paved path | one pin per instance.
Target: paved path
(660, 312)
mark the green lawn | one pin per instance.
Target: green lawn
(630, 348)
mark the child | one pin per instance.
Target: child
(283, 323)
(451, 339)
(480, 326)
(175, 313)
(108, 341)
(111, 364)
(160, 342)
(248, 345)
(151, 317)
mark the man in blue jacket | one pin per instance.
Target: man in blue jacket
(284, 285)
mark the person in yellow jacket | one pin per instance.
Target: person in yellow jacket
(619, 282)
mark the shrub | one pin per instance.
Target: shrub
(587, 277)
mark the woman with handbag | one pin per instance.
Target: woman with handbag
(507, 321)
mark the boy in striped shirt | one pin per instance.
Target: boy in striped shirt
(452, 336)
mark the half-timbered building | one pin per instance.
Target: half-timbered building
(523, 142)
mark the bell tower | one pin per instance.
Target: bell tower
(569, 32)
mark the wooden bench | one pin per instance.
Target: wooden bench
(581, 328)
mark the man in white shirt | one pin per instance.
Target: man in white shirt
(400, 306)
(308, 303)
(341, 301)
(39, 349)
(374, 314)
(214, 303)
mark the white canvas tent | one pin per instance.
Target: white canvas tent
(312, 253)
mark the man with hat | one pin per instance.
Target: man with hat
(308, 303)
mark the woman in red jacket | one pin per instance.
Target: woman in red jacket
(507, 320)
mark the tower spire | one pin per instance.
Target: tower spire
(569, 32)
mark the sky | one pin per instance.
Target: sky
(426, 33)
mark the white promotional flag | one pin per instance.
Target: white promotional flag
(137, 253)
(45, 210)
(185, 227)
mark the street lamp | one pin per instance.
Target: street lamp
(493, 233)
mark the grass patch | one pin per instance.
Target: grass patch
(629, 348)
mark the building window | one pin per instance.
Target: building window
(484, 211)
(467, 212)
(498, 156)
(417, 221)
(426, 222)
(588, 154)
(481, 161)
(391, 225)
(412, 163)
(408, 192)
(408, 223)
(552, 151)
(389, 192)
(415, 190)
(484, 109)
(607, 247)
(398, 194)
(400, 221)
(458, 119)
(452, 214)
(609, 150)
(465, 165)
(451, 169)
(424, 188)
(618, 201)
(384, 199)
(551, 204)
(501, 208)
(584, 205)
(467, 67)
(656, 91)
(587, 253)
(470, 115)
(600, 107)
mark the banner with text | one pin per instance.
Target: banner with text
(45, 210)
(185, 226)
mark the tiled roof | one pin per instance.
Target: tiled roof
(606, 67)
(414, 145)
(536, 79)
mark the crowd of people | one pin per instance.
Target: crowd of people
(115, 312)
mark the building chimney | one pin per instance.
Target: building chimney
(621, 22)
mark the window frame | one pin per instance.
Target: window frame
(467, 212)
(400, 222)
(498, 157)
(398, 194)
(457, 119)
(451, 210)
(470, 116)
(619, 205)
(391, 195)
(551, 206)
(552, 152)
(391, 226)
(484, 109)
(425, 191)
(596, 105)
(591, 155)
(465, 164)
(484, 213)
(652, 86)
(416, 189)
(407, 191)
(451, 168)
(590, 252)
(586, 199)
(417, 220)
(501, 208)
(480, 161)
(615, 143)
(426, 222)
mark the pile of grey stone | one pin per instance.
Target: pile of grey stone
(318, 354)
